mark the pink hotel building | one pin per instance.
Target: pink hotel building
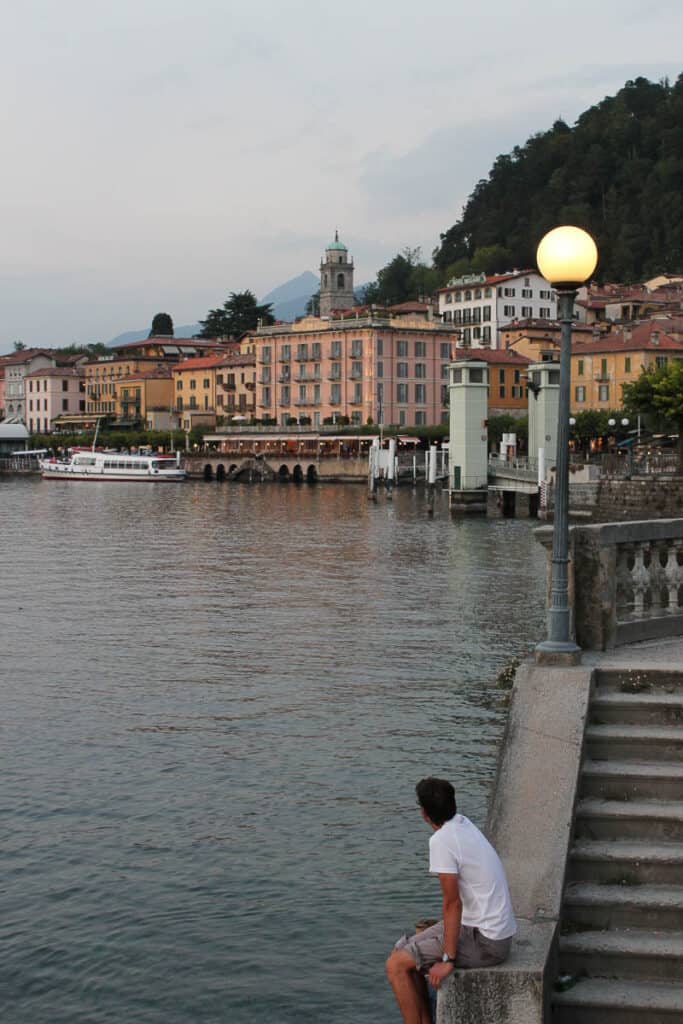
(371, 366)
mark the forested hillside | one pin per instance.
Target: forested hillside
(618, 173)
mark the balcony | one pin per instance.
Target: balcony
(284, 378)
(284, 358)
(227, 387)
(355, 376)
(334, 376)
(250, 386)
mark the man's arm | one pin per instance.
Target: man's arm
(452, 914)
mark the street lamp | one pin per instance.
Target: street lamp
(566, 257)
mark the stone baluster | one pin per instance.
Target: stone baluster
(640, 577)
(673, 573)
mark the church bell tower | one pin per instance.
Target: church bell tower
(336, 278)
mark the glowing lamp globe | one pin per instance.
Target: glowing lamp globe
(567, 256)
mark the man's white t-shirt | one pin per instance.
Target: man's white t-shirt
(459, 848)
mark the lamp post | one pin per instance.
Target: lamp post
(566, 257)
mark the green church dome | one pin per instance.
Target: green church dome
(336, 245)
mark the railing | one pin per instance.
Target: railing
(625, 465)
(627, 581)
(520, 467)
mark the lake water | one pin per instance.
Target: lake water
(216, 701)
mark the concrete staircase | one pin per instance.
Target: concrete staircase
(622, 912)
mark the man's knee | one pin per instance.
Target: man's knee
(399, 963)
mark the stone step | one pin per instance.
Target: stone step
(610, 907)
(630, 955)
(611, 1001)
(637, 708)
(629, 819)
(631, 780)
(620, 862)
(624, 742)
(638, 681)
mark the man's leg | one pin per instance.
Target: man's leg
(409, 988)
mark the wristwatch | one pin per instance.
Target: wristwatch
(446, 959)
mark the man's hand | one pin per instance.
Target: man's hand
(439, 971)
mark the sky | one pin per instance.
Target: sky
(159, 154)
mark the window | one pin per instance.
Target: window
(401, 369)
(448, 316)
(527, 292)
(302, 352)
(508, 310)
(302, 393)
(380, 393)
(207, 383)
(316, 394)
(335, 350)
(580, 368)
(401, 392)
(402, 418)
(315, 350)
(444, 394)
(444, 371)
(603, 392)
(284, 395)
(487, 293)
(457, 316)
(501, 376)
(193, 387)
(356, 348)
(467, 316)
(661, 362)
(544, 313)
(627, 364)
(335, 394)
(420, 370)
(527, 311)
(286, 352)
(380, 370)
(517, 391)
(486, 335)
(545, 293)
(265, 396)
(193, 402)
(265, 354)
(206, 403)
(340, 281)
(449, 297)
(357, 393)
(420, 393)
(65, 385)
(65, 405)
(335, 371)
(458, 296)
(30, 385)
(356, 417)
(265, 375)
(401, 348)
(603, 369)
(467, 336)
(580, 393)
(501, 391)
(356, 370)
(421, 349)
(476, 333)
(380, 347)
(420, 418)
(509, 293)
(445, 350)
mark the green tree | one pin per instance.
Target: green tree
(239, 313)
(19, 346)
(659, 392)
(406, 277)
(313, 304)
(162, 325)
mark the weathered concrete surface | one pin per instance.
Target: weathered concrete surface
(530, 824)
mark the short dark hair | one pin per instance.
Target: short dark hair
(437, 799)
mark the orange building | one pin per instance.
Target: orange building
(599, 369)
(507, 379)
(210, 388)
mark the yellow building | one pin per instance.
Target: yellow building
(599, 369)
(209, 389)
(139, 394)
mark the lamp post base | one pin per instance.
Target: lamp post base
(557, 652)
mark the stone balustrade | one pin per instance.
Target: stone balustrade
(626, 581)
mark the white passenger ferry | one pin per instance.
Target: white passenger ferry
(95, 465)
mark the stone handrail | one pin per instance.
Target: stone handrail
(626, 581)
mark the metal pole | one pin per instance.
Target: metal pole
(558, 647)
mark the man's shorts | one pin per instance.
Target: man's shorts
(474, 949)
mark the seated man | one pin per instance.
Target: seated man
(478, 923)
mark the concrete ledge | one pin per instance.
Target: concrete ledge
(530, 824)
(513, 991)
